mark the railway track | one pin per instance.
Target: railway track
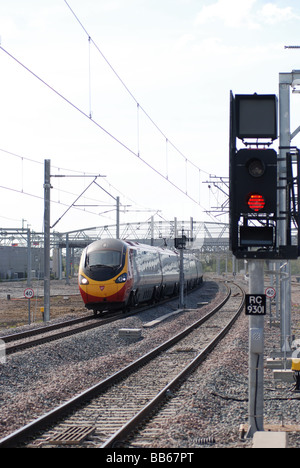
(34, 337)
(107, 413)
(20, 341)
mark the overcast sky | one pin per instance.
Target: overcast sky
(152, 81)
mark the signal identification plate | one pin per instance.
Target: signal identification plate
(255, 304)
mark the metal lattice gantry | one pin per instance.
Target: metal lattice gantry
(207, 236)
(17, 260)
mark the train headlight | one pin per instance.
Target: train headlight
(83, 280)
(122, 278)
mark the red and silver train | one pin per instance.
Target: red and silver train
(115, 274)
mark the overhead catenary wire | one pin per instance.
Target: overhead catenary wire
(67, 100)
(90, 79)
(131, 93)
(76, 173)
(74, 106)
(39, 197)
(74, 202)
(137, 153)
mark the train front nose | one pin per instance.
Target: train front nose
(102, 294)
(103, 274)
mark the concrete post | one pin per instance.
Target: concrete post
(256, 352)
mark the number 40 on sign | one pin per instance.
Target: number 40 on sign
(29, 293)
(270, 292)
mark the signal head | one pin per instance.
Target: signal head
(256, 202)
(256, 167)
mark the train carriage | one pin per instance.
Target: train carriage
(115, 274)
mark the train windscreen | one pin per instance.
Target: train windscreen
(107, 258)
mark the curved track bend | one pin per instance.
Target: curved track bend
(106, 414)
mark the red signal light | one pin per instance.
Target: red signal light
(256, 202)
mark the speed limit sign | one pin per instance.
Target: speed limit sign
(270, 292)
(29, 293)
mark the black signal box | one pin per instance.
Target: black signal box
(254, 172)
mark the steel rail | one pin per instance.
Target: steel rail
(97, 321)
(45, 329)
(124, 432)
(19, 436)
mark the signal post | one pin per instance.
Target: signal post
(261, 208)
(257, 306)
